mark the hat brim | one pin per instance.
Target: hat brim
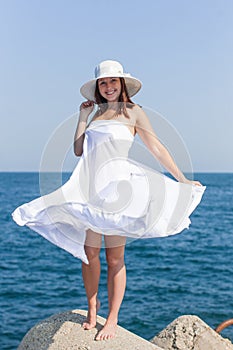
(133, 85)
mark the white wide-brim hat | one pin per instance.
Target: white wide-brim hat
(108, 69)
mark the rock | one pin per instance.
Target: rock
(64, 332)
(190, 333)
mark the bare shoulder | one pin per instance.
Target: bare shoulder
(140, 115)
(135, 112)
(142, 123)
(136, 108)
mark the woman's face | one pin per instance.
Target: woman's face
(110, 88)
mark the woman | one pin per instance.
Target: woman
(110, 194)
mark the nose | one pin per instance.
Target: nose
(108, 86)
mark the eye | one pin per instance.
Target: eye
(113, 80)
(102, 83)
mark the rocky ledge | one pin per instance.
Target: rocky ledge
(190, 333)
(64, 332)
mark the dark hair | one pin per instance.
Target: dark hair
(124, 100)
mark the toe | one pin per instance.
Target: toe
(88, 326)
(85, 325)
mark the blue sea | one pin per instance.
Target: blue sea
(190, 273)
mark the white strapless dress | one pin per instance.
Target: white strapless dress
(111, 194)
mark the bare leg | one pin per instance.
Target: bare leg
(115, 247)
(91, 275)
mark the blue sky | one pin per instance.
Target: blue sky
(181, 50)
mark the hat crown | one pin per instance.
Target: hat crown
(108, 68)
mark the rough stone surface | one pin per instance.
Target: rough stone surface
(64, 332)
(190, 333)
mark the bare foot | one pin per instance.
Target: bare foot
(108, 331)
(91, 317)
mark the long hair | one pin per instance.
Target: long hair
(123, 103)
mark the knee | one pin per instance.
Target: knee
(92, 253)
(115, 261)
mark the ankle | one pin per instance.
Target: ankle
(91, 306)
(111, 319)
(92, 302)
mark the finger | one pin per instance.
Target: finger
(86, 104)
(89, 103)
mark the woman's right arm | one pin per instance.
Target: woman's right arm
(85, 109)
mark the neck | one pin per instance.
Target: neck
(113, 105)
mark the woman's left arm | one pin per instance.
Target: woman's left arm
(159, 151)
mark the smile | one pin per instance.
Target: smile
(110, 92)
